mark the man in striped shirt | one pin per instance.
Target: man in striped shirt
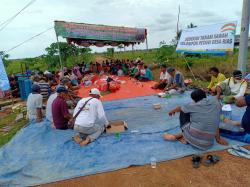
(45, 88)
(199, 121)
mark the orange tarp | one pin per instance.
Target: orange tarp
(129, 89)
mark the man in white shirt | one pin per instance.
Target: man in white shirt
(233, 88)
(91, 121)
(52, 97)
(34, 104)
(164, 78)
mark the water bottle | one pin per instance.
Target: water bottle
(153, 162)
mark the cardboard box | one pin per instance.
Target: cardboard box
(117, 126)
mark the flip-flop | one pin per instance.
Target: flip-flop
(196, 160)
(241, 149)
(238, 153)
(211, 160)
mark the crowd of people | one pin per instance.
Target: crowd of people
(199, 120)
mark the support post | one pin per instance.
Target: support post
(190, 68)
(243, 49)
(60, 58)
(147, 43)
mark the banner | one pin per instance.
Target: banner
(99, 32)
(211, 39)
(4, 81)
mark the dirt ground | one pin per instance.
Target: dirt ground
(230, 171)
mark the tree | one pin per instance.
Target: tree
(66, 50)
(162, 43)
(75, 53)
(121, 46)
(110, 52)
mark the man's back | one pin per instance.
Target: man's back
(92, 113)
(59, 110)
(52, 97)
(205, 114)
(44, 89)
(204, 122)
(34, 101)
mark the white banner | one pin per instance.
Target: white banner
(4, 81)
(213, 39)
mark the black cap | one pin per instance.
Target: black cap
(170, 70)
(61, 89)
(237, 74)
(35, 88)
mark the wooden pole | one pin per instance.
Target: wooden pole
(60, 58)
(190, 68)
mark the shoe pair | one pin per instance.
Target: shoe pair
(210, 160)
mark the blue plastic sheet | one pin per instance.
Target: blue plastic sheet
(39, 154)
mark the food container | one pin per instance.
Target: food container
(157, 106)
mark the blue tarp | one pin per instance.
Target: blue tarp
(39, 154)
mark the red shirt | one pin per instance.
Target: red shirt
(59, 110)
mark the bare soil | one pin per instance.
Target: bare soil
(230, 171)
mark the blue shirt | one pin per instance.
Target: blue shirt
(149, 74)
(245, 123)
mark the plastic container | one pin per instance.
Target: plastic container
(153, 162)
(24, 87)
(157, 106)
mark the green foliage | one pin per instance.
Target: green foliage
(14, 127)
(70, 54)
(110, 52)
(164, 54)
(147, 56)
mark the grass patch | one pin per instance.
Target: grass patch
(5, 137)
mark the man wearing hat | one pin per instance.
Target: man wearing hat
(60, 111)
(176, 82)
(91, 121)
(34, 104)
(232, 88)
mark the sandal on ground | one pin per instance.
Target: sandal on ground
(241, 149)
(211, 160)
(196, 160)
(238, 153)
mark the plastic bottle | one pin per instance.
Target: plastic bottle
(153, 162)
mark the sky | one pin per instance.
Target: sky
(158, 16)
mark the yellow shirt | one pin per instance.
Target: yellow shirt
(216, 80)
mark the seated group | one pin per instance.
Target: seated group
(199, 120)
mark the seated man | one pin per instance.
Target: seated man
(91, 121)
(245, 122)
(35, 104)
(45, 87)
(164, 78)
(54, 95)
(176, 83)
(133, 70)
(216, 78)
(141, 71)
(234, 88)
(199, 121)
(60, 111)
(148, 76)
